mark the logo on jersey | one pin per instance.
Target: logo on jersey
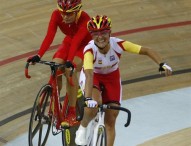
(99, 61)
(112, 58)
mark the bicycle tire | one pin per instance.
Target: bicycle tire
(66, 139)
(101, 136)
(68, 135)
(40, 121)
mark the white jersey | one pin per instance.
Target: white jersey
(107, 63)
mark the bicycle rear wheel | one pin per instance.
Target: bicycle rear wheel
(101, 137)
(40, 121)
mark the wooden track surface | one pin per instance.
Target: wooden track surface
(177, 138)
(161, 25)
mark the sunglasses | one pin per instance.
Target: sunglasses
(67, 13)
(100, 33)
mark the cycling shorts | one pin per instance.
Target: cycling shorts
(110, 85)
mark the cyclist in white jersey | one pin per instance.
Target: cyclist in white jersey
(101, 70)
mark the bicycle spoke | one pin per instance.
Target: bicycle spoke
(39, 125)
(40, 122)
(40, 136)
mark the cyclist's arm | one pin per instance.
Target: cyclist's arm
(134, 48)
(156, 58)
(151, 53)
(88, 69)
(52, 28)
(130, 47)
(89, 82)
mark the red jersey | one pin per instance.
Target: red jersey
(77, 32)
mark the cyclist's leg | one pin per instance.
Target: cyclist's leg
(72, 90)
(110, 120)
(89, 114)
(59, 78)
(112, 97)
(60, 57)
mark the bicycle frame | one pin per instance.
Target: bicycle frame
(54, 102)
(55, 110)
(48, 111)
(98, 121)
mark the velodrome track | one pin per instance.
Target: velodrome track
(152, 116)
(167, 30)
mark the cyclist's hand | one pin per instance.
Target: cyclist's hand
(166, 68)
(70, 64)
(33, 59)
(90, 102)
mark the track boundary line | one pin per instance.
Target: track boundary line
(120, 33)
(150, 77)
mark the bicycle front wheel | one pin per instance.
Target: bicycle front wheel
(40, 121)
(101, 137)
(66, 137)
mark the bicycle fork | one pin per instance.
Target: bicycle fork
(99, 120)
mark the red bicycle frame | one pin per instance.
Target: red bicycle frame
(56, 110)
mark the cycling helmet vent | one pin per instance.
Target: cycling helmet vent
(99, 23)
(69, 5)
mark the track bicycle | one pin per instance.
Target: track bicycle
(48, 111)
(96, 133)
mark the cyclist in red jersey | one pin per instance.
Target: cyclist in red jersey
(72, 21)
(101, 68)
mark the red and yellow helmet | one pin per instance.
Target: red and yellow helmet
(99, 23)
(69, 5)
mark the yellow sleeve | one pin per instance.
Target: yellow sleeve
(88, 60)
(131, 47)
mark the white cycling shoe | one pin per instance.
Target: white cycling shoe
(81, 136)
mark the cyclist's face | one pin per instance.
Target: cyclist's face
(68, 17)
(101, 38)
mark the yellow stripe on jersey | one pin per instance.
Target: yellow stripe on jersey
(131, 47)
(78, 16)
(88, 60)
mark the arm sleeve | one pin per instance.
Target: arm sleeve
(129, 47)
(52, 28)
(88, 60)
